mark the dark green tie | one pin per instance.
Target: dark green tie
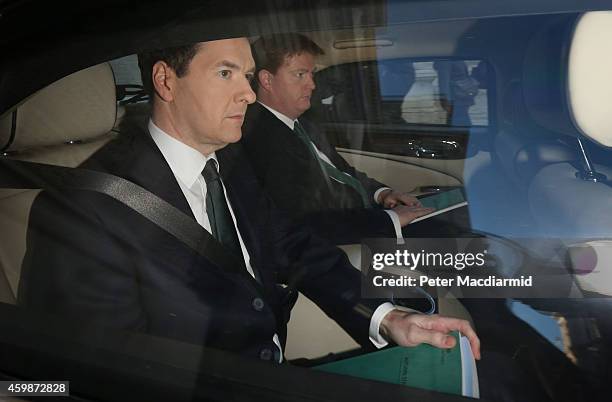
(221, 222)
(331, 170)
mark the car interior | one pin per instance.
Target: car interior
(67, 141)
(532, 169)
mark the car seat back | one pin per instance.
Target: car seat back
(62, 124)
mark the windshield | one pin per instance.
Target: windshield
(284, 202)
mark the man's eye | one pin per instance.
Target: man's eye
(250, 77)
(300, 75)
(225, 73)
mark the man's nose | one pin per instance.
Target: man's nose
(246, 94)
(310, 83)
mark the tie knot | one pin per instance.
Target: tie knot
(210, 172)
(298, 129)
(298, 126)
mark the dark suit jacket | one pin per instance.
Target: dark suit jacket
(92, 259)
(293, 178)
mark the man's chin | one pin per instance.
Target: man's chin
(234, 137)
(227, 139)
(304, 108)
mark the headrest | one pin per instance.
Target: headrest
(590, 76)
(78, 107)
(544, 82)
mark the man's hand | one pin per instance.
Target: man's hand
(408, 214)
(390, 199)
(412, 329)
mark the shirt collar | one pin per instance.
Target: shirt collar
(185, 162)
(287, 120)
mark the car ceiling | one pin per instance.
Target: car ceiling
(42, 41)
(407, 40)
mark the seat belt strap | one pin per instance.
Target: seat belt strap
(30, 175)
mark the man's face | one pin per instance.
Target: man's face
(210, 100)
(292, 85)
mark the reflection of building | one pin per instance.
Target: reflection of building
(421, 104)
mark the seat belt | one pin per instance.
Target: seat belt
(31, 175)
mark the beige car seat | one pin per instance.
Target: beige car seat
(62, 124)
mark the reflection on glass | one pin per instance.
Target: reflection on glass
(400, 91)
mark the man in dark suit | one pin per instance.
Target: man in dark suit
(298, 166)
(91, 258)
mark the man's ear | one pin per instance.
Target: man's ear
(164, 78)
(265, 79)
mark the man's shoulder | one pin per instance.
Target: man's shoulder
(256, 112)
(309, 125)
(258, 121)
(118, 155)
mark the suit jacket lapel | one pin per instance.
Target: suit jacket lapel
(316, 136)
(234, 171)
(145, 165)
(151, 171)
(282, 138)
(155, 173)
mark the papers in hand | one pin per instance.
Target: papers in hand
(444, 370)
(469, 374)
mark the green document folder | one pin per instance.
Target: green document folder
(442, 202)
(444, 199)
(444, 370)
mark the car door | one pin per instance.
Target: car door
(396, 113)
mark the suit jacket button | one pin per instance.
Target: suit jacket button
(258, 304)
(266, 354)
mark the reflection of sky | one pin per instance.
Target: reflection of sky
(544, 324)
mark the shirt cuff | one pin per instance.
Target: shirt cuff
(379, 314)
(380, 190)
(396, 223)
(276, 341)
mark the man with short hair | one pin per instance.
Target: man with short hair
(107, 265)
(298, 166)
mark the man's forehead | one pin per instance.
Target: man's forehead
(294, 60)
(235, 53)
(222, 42)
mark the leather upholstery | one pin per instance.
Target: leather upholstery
(79, 107)
(62, 124)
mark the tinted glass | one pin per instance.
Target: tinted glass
(403, 91)
(471, 109)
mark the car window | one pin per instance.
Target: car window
(458, 107)
(128, 80)
(405, 91)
